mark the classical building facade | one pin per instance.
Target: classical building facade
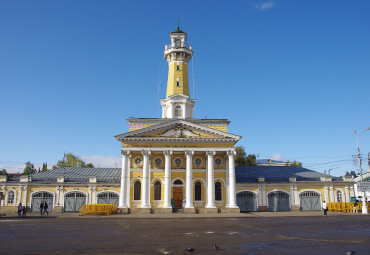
(177, 161)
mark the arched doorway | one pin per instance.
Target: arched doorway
(108, 198)
(177, 193)
(39, 197)
(247, 201)
(73, 201)
(310, 201)
(278, 201)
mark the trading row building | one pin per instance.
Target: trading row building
(177, 161)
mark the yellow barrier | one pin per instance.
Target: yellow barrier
(345, 207)
(106, 209)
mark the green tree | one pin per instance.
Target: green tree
(44, 167)
(242, 159)
(71, 160)
(352, 173)
(250, 160)
(29, 169)
(3, 172)
(294, 163)
(240, 156)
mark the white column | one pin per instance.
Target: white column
(232, 180)
(210, 181)
(167, 179)
(122, 195)
(189, 179)
(57, 196)
(227, 182)
(146, 183)
(128, 183)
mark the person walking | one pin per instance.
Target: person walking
(355, 203)
(46, 208)
(41, 207)
(20, 207)
(325, 208)
(24, 210)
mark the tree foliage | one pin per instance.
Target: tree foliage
(242, 159)
(44, 167)
(71, 160)
(352, 173)
(29, 168)
(294, 163)
(3, 172)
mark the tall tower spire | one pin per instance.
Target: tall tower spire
(178, 54)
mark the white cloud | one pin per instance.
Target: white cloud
(265, 5)
(102, 161)
(277, 157)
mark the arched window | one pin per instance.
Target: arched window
(137, 190)
(157, 190)
(339, 196)
(218, 191)
(177, 182)
(11, 197)
(198, 191)
(178, 111)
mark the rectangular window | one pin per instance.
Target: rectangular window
(178, 67)
(178, 82)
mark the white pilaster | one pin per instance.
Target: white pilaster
(89, 200)
(189, 179)
(346, 194)
(232, 180)
(210, 180)
(326, 192)
(264, 197)
(167, 179)
(94, 195)
(19, 198)
(146, 183)
(123, 191)
(24, 199)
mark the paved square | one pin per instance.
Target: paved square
(113, 235)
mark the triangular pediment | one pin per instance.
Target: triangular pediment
(178, 129)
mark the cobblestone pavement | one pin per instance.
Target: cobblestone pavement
(259, 233)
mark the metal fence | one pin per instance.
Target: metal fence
(106, 209)
(345, 207)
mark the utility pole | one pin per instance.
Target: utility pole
(364, 206)
(368, 162)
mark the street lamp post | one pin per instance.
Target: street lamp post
(364, 206)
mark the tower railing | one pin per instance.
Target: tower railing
(174, 46)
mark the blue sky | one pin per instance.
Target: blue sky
(292, 76)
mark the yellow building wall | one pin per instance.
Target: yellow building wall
(173, 75)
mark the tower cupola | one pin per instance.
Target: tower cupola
(178, 54)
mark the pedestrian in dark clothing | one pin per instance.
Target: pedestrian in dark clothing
(24, 210)
(355, 206)
(46, 208)
(20, 207)
(41, 208)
